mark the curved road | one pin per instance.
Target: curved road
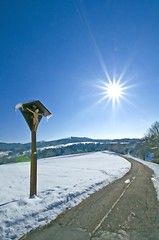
(126, 209)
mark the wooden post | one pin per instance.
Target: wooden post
(33, 170)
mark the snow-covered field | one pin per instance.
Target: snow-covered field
(63, 182)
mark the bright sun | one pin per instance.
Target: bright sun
(113, 91)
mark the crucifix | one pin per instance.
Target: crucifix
(33, 113)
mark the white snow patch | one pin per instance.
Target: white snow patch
(127, 181)
(19, 106)
(66, 145)
(49, 116)
(63, 182)
(4, 153)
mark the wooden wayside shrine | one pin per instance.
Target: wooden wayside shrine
(33, 112)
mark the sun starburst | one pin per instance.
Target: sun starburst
(113, 91)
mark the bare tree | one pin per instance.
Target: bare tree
(152, 136)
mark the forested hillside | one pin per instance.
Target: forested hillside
(17, 152)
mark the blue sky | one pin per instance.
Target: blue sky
(58, 52)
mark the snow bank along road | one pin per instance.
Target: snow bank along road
(125, 209)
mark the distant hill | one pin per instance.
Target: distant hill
(18, 147)
(20, 152)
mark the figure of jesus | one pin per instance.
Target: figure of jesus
(36, 114)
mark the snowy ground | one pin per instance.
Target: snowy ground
(155, 168)
(63, 182)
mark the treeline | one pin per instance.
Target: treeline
(71, 149)
(84, 148)
(14, 158)
(148, 148)
(122, 148)
(21, 147)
